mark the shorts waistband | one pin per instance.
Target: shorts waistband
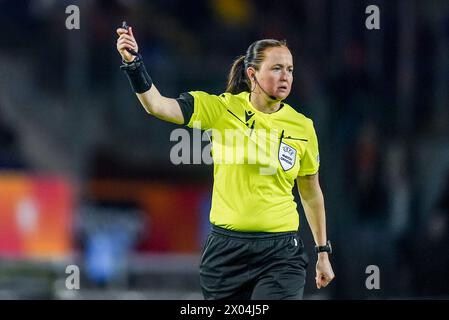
(251, 235)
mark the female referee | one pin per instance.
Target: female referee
(254, 250)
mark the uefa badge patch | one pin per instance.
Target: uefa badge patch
(287, 156)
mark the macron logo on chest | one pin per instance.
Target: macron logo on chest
(248, 115)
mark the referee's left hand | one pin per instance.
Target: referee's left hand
(324, 272)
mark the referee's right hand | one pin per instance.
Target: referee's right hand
(125, 41)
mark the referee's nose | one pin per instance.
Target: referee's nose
(285, 76)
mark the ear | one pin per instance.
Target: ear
(251, 72)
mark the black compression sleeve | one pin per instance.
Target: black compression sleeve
(137, 75)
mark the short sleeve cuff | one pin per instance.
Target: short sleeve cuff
(186, 103)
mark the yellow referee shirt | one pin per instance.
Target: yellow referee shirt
(257, 157)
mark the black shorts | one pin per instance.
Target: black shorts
(257, 266)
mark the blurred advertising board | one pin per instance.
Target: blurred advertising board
(175, 216)
(35, 216)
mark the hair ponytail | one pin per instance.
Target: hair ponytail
(237, 80)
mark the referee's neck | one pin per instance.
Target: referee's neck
(264, 104)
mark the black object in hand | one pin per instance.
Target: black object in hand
(125, 26)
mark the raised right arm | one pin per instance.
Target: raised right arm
(167, 109)
(161, 107)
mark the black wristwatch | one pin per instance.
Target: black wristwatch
(327, 248)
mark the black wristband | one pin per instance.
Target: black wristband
(137, 75)
(326, 248)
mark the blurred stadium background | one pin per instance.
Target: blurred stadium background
(85, 173)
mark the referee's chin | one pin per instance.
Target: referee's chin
(281, 95)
